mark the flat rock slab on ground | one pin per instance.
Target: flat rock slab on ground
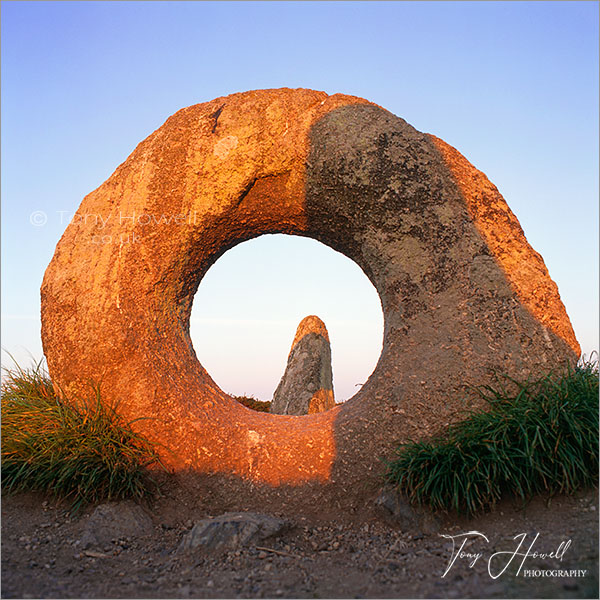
(397, 511)
(231, 531)
(113, 521)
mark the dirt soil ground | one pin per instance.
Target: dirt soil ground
(329, 552)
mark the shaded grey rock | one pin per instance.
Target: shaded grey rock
(115, 520)
(231, 531)
(396, 509)
(307, 384)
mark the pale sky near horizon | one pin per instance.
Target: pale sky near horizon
(512, 85)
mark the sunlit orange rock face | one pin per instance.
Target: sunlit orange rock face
(306, 387)
(322, 400)
(463, 293)
(310, 324)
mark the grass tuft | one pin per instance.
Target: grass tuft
(254, 403)
(79, 450)
(541, 438)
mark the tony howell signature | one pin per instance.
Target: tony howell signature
(498, 562)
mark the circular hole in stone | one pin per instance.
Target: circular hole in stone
(250, 302)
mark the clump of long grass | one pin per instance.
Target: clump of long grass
(253, 403)
(76, 449)
(543, 437)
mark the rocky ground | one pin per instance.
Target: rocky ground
(47, 552)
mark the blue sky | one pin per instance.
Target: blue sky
(512, 85)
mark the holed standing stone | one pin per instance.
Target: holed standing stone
(307, 384)
(460, 286)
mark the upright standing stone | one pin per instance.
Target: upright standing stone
(307, 384)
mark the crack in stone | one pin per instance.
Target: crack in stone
(216, 116)
(248, 188)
